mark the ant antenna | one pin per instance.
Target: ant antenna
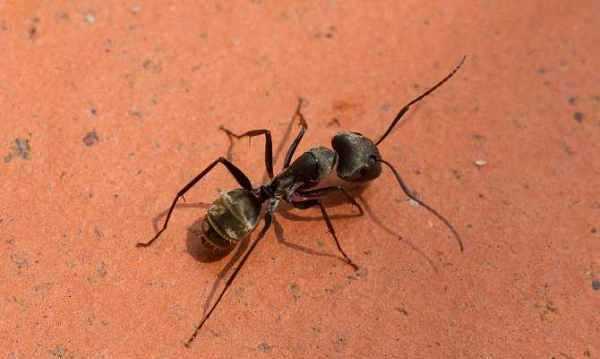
(411, 196)
(405, 108)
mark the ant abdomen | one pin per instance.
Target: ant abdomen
(230, 218)
(358, 157)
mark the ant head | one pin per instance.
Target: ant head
(358, 157)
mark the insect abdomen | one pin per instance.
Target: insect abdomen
(230, 218)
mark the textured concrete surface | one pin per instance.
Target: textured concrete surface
(107, 108)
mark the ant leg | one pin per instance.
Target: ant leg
(261, 235)
(408, 193)
(239, 176)
(407, 106)
(315, 202)
(268, 145)
(321, 192)
(303, 128)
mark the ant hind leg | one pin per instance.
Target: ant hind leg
(239, 176)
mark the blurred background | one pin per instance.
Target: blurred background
(107, 108)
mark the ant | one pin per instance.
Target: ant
(235, 214)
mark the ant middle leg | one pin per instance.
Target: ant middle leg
(316, 202)
(239, 176)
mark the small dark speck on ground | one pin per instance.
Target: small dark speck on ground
(402, 310)
(152, 66)
(19, 260)
(456, 174)
(136, 113)
(21, 149)
(264, 347)
(329, 33)
(98, 232)
(596, 284)
(541, 71)
(572, 100)
(32, 32)
(340, 343)
(578, 116)
(101, 270)
(91, 138)
(478, 137)
(295, 290)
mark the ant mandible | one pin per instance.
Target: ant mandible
(235, 214)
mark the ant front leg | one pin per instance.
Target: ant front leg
(315, 202)
(268, 145)
(239, 176)
(322, 192)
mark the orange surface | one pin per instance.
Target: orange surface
(107, 108)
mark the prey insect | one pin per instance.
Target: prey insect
(236, 213)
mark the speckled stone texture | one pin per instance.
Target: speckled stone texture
(108, 108)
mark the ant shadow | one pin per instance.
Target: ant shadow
(337, 200)
(388, 230)
(207, 254)
(197, 248)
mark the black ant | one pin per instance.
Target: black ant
(235, 214)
